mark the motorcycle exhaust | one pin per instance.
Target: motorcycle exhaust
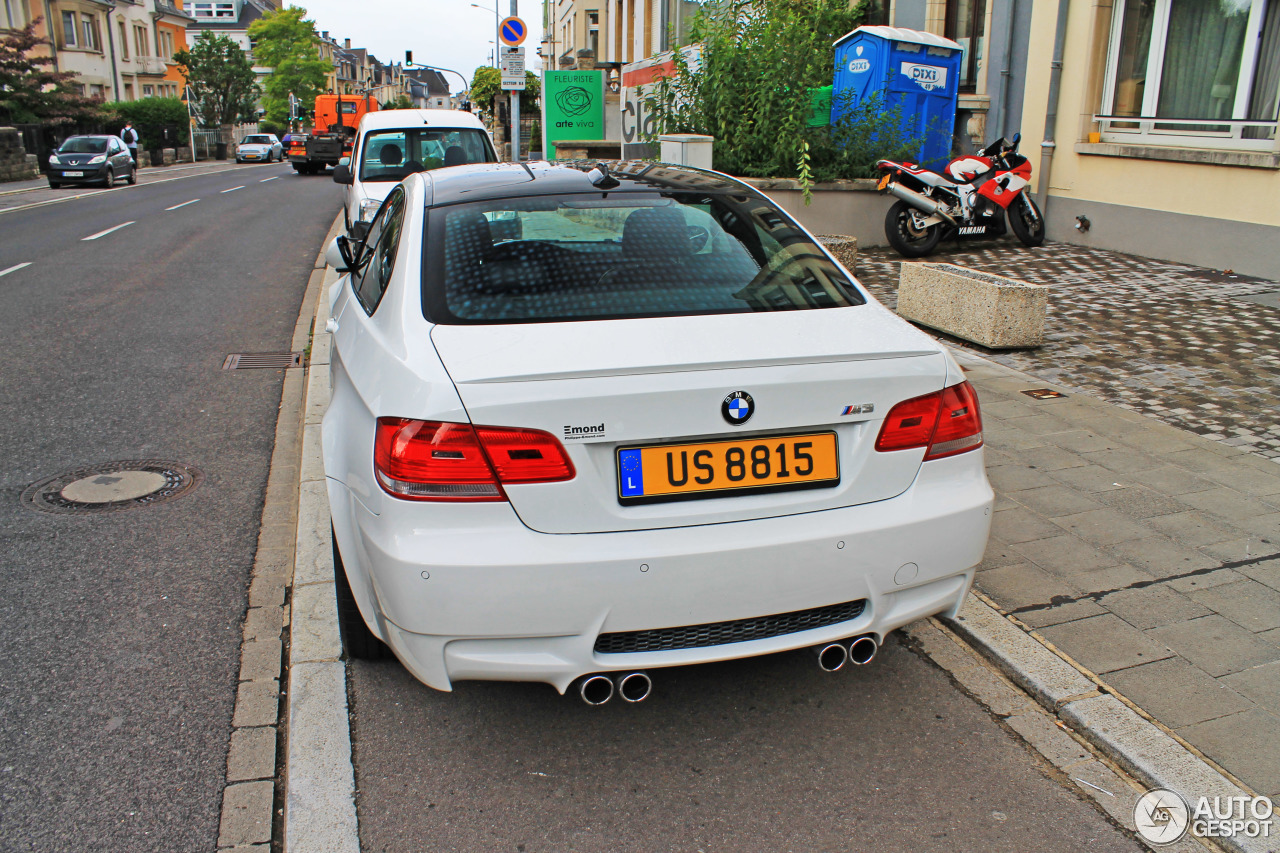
(596, 689)
(831, 656)
(862, 650)
(919, 201)
(634, 687)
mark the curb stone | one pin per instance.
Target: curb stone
(1140, 748)
(319, 802)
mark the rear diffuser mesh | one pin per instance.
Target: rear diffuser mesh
(723, 633)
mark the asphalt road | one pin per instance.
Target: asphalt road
(762, 756)
(120, 632)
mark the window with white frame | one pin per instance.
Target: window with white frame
(1197, 73)
(68, 29)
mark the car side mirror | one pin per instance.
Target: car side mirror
(342, 174)
(339, 255)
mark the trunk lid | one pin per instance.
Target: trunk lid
(603, 385)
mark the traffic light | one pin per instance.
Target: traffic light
(408, 57)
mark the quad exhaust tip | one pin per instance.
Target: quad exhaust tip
(596, 689)
(862, 650)
(831, 656)
(634, 687)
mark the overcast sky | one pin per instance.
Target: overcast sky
(448, 33)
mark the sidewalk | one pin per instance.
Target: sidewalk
(1145, 553)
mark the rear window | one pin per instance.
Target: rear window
(612, 256)
(83, 145)
(391, 155)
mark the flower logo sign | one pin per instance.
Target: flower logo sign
(573, 101)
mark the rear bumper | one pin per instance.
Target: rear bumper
(501, 602)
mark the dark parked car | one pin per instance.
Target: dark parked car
(91, 160)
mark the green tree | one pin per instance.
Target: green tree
(751, 91)
(30, 91)
(287, 42)
(223, 85)
(485, 84)
(400, 103)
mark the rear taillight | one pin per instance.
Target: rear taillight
(947, 422)
(434, 461)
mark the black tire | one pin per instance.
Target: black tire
(902, 235)
(133, 176)
(1026, 221)
(110, 179)
(358, 642)
(54, 185)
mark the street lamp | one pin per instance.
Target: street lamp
(496, 37)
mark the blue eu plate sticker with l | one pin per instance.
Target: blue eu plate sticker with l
(632, 473)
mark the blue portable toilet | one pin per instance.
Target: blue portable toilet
(917, 72)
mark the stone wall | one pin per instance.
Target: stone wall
(15, 163)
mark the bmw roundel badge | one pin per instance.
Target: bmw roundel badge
(738, 408)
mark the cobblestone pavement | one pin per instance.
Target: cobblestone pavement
(1180, 343)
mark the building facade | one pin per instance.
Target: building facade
(1163, 129)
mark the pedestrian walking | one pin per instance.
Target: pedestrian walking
(130, 137)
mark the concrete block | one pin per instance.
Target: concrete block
(260, 660)
(1261, 684)
(1042, 732)
(168, 156)
(990, 310)
(252, 754)
(246, 813)
(263, 623)
(1247, 603)
(1152, 606)
(320, 810)
(313, 632)
(843, 247)
(313, 561)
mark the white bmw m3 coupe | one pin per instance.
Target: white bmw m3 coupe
(590, 421)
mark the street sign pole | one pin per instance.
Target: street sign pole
(512, 33)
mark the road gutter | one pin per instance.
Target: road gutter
(249, 810)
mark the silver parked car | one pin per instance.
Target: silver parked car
(259, 148)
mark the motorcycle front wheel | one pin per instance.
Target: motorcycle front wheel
(909, 239)
(1026, 221)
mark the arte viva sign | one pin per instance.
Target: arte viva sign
(573, 106)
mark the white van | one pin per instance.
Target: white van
(392, 144)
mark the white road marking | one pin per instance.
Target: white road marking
(113, 190)
(233, 189)
(184, 204)
(264, 180)
(105, 233)
(14, 268)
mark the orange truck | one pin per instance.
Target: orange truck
(336, 119)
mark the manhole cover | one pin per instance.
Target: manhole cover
(111, 486)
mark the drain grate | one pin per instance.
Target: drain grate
(256, 360)
(111, 486)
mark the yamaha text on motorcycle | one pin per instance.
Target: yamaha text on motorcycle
(969, 199)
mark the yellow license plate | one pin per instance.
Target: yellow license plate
(672, 472)
(884, 182)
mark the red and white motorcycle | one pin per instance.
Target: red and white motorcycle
(969, 200)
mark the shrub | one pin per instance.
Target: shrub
(150, 117)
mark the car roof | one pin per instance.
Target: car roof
(92, 136)
(482, 181)
(389, 119)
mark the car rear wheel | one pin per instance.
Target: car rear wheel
(133, 176)
(53, 185)
(358, 642)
